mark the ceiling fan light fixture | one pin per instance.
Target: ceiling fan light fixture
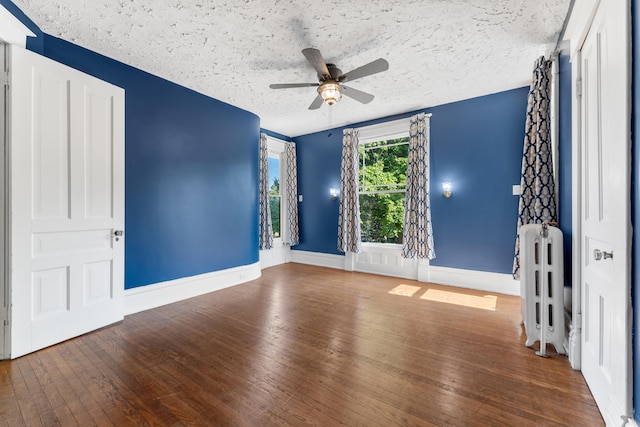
(330, 92)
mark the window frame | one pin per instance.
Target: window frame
(383, 132)
(276, 149)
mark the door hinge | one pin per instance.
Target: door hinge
(579, 87)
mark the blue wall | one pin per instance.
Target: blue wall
(564, 162)
(319, 161)
(476, 144)
(191, 173)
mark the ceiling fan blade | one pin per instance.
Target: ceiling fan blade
(289, 85)
(315, 59)
(377, 66)
(317, 103)
(358, 95)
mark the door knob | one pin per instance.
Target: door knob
(598, 254)
(117, 234)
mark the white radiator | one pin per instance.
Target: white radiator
(542, 285)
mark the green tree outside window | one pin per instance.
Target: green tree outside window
(383, 169)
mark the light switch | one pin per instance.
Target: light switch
(516, 190)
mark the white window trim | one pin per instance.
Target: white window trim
(383, 132)
(276, 148)
(386, 258)
(281, 252)
(381, 245)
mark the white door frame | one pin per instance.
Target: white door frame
(5, 294)
(12, 32)
(578, 27)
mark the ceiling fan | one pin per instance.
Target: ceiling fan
(330, 80)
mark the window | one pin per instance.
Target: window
(383, 169)
(275, 194)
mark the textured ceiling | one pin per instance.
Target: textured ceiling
(439, 51)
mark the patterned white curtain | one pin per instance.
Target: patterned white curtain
(417, 236)
(264, 228)
(537, 186)
(293, 237)
(349, 216)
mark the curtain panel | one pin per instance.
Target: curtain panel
(417, 237)
(537, 186)
(349, 239)
(265, 232)
(293, 236)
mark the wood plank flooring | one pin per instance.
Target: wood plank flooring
(300, 346)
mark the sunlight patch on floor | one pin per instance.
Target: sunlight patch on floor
(486, 302)
(404, 290)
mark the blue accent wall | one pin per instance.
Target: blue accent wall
(319, 161)
(635, 198)
(191, 173)
(564, 162)
(476, 144)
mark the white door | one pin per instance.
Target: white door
(605, 124)
(66, 201)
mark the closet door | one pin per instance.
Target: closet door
(67, 202)
(602, 65)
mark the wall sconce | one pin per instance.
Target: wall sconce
(334, 193)
(446, 189)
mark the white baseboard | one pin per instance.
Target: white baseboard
(472, 279)
(319, 259)
(279, 254)
(152, 296)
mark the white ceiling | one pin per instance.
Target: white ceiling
(439, 51)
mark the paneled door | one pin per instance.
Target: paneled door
(605, 223)
(66, 197)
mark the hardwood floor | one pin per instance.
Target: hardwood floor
(302, 345)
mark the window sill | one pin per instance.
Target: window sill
(371, 245)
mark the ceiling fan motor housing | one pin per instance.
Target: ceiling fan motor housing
(334, 72)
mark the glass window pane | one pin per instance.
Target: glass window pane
(383, 165)
(383, 179)
(382, 217)
(274, 202)
(274, 194)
